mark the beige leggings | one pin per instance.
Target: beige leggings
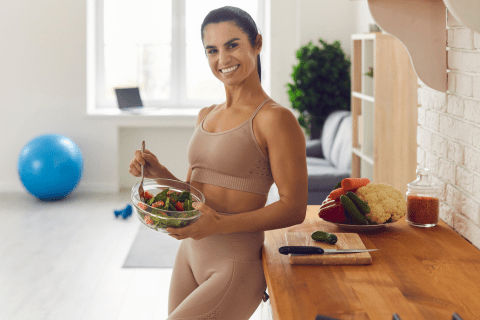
(219, 277)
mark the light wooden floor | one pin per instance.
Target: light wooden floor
(63, 260)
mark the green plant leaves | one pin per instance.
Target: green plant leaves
(320, 82)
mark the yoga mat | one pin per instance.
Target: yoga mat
(152, 249)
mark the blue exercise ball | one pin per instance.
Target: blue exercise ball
(50, 166)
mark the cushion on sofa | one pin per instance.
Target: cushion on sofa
(329, 131)
(314, 148)
(341, 153)
(335, 165)
(322, 175)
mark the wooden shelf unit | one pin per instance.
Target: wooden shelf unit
(384, 111)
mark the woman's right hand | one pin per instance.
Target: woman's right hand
(152, 168)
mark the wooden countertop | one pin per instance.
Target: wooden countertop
(419, 273)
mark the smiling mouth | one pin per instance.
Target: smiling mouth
(229, 70)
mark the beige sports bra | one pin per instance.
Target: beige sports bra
(231, 159)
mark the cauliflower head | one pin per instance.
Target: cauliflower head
(385, 202)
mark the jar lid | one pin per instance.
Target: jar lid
(423, 181)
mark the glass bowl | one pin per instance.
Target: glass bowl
(159, 219)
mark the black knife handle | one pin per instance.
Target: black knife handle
(455, 316)
(320, 317)
(300, 250)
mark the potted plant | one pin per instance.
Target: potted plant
(321, 84)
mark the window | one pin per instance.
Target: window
(156, 45)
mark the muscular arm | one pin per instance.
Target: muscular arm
(286, 150)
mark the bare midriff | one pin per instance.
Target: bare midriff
(228, 200)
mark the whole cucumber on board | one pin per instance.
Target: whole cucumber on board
(361, 205)
(324, 237)
(352, 211)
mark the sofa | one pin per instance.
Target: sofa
(329, 159)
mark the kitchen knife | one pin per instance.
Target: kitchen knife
(318, 250)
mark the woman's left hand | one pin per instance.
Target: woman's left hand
(206, 225)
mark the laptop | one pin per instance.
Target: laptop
(129, 99)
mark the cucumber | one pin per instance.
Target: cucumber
(352, 211)
(338, 185)
(183, 196)
(188, 205)
(324, 237)
(159, 197)
(150, 201)
(361, 205)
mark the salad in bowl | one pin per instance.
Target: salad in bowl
(168, 204)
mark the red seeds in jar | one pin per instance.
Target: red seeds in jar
(422, 210)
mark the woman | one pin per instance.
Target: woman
(239, 148)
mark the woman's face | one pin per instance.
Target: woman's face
(230, 55)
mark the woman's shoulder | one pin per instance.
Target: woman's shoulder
(204, 112)
(272, 111)
(273, 106)
(273, 116)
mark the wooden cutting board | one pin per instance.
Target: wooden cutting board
(345, 241)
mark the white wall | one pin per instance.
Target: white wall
(43, 84)
(168, 144)
(296, 22)
(283, 43)
(448, 134)
(329, 20)
(363, 17)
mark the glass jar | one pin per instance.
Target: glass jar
(423, 204)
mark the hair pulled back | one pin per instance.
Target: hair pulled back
(241, 18)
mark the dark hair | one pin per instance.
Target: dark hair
(241, 18)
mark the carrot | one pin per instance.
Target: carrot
(335, 194)
(354, 183)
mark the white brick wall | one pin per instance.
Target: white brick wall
(476, 84)
(448, 135)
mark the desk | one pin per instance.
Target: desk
(419, 273)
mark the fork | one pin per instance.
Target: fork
(141, 192)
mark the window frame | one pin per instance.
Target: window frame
(96, 99)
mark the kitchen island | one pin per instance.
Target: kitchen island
(418, 273)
